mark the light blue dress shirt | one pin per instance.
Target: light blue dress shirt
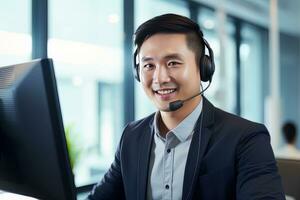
(168, 158)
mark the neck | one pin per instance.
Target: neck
(169, 120)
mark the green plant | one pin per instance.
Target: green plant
(74, 149)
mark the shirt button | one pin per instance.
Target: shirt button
(167, 187)
(168, 150)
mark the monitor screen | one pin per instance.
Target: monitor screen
(33, 152)
(289, 171)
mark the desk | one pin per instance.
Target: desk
(11, 196)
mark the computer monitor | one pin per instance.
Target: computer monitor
(33, 152)
(289, 171)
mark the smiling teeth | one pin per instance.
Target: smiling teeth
(165, 91)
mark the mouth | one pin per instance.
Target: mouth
(165, 91)
(165, 94)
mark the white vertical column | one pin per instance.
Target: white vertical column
(221, 32)
(272, 103)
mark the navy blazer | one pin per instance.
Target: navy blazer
(231, 159)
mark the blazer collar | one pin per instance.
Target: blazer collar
(209, 113)
(197, 149)
(144, 153)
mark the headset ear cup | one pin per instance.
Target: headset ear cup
(136, 67)
(135, 72)
(137, 75)
(205, 65)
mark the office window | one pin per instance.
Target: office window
(144, 10)
(86, 44)
(251, 74)
(222, 91)
(15, 31)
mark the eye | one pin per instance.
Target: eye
(174, 63)
(148, 67)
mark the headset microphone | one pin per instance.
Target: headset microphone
(175, 105)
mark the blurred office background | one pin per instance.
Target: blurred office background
(91, 45)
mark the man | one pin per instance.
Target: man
(290, 150)
(188, 149)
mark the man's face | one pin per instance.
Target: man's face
(168, 69)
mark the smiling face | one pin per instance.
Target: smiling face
(168, 70)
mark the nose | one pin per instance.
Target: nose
(161, 74)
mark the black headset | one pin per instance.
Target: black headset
(207, 64)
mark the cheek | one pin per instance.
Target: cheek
(146, 84)
(190, 75)
(190, 80)
(146, 78)
(186, 75)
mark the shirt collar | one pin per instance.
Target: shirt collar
(185, 128)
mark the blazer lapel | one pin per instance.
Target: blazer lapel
(144, 151)
(201, 137)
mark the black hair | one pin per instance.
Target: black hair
(172, 23)
(289, 130)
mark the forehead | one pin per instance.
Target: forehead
(165, 42)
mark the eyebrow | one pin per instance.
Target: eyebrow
(145, 59)
(173, 56)
(169, 56)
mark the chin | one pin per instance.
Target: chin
(163, 108)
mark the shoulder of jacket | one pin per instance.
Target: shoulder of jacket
(139, 124)
(238, 123)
